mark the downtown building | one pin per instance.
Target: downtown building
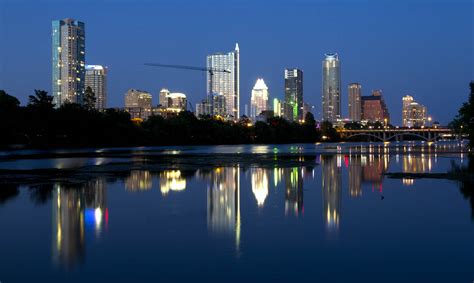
(259, 99)
(170, 103)
(413, 113)
(68, 61)
(138, 103)
(355, 107)
(331, 88)
(293, 103)
(374, 108)
(224, 83)
(96, 79)
(277, 107)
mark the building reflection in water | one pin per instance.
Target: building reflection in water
(416, 163)
(259, 180)
(77, 211)
(355, 176)
(223, 201)
(332, 191)
(172, 180)
(139, 180)
(373, 167)
(293, 190)
(277, 176)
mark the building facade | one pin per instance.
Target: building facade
(96, 79)
(219, 105)
(138, 103)
(331, 88)
(163, 99)
(293, 104)
(277, 108)
(374, 108)
(171, 103)
(223, 83)
(176, 102)
(258, 99)
(68, 61)
(413, 113)
(355, 107)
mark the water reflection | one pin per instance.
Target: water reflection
(77, 211)
(416, 163)
(223, 201)
(259, 180)
(293, 190)
(172, 180)
(332, 191)
(8, 192)
(138, 180)
(354, 164)
(373, 166)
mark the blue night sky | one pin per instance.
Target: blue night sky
(422, 48)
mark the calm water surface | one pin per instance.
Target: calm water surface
(335, 219)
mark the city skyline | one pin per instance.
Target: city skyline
(369, 66)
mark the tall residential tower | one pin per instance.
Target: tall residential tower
(68, 61)
(331, 96)
(413, 113)
(96, 79)
(355, 92)
(227, 84)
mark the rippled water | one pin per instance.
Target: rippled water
(338, 218)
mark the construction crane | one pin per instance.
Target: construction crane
(211, 71)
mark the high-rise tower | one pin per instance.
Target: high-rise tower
(293, 105)
(227, 84)
(355, 92)
(68, 61)
(331, 96)
(96, 79)
(259, 99)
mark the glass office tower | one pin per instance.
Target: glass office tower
(293, 106)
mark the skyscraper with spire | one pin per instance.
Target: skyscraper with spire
(227, 84)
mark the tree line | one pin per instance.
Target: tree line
(463, 123)
(41, 124)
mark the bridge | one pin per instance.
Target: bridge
(398, 134)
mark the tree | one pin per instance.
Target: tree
(41, 100)
(464, 121)
(353, 126)
(8, 102)
(309, 119)
(89, 98)
(328, 131)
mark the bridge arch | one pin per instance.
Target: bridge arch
(434, 136)
(365, 135)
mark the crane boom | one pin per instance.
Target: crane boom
(211, 70)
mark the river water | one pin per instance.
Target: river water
(254, 213)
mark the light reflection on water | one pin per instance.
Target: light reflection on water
(228, 194)
(75, 210)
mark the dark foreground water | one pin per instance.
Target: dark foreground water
(316, 214)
